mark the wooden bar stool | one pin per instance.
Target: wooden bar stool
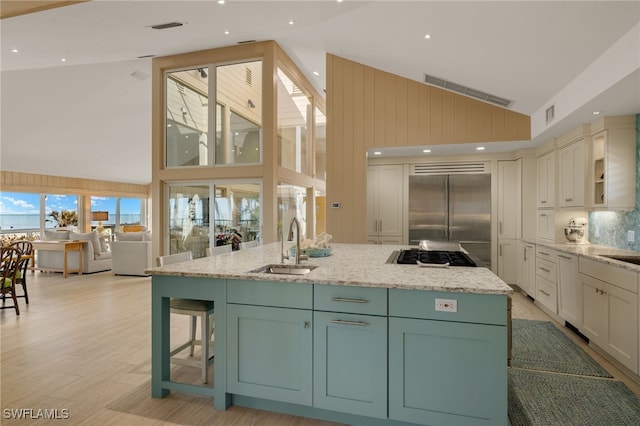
(195, 309)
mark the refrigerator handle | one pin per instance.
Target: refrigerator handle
(448, 204)
(500, 227)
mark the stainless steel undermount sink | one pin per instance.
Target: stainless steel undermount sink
(624, 258)
(284, 268)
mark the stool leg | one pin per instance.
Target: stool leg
(204, 355)
(192, 331)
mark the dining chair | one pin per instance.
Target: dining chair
(195, 309)
(9, 263)
(248, 244)
(26, 254)
(212, 251)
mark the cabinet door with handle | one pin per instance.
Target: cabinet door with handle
(595, 308)
(508, 260)
(569, 292)
(350, 363)
(269, 353)
(572, 175)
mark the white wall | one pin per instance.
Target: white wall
(88, 121)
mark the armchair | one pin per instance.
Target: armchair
(131, 255)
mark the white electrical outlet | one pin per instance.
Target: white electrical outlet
(446, 305)
(631, 236)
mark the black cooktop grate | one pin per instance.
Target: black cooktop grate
(440, 257)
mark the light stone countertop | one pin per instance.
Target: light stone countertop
(594, 252)
(350, 265)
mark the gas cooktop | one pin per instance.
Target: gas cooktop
(436, 257)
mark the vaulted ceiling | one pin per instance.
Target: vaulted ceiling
(532, 53)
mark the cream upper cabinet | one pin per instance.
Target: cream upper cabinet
(509, 199)
(571, 164)
(546, 180)
(612, 173)
(385, 204)
(545, 225)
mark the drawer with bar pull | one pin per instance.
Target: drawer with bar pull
(350, 299)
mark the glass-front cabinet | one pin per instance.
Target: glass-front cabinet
(236, 123)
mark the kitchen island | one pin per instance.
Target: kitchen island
(357, 340)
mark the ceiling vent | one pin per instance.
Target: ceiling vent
(448, 168)
(167, 25)
(464, 90)
(550, 114)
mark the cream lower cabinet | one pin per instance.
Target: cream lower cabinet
(610, 310)
(527, 268)
(569, 292)
(546, 279)
(508, 260)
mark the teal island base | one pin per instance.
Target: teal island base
(349, 354)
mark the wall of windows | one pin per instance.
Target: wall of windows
(237, 115)
(120, 211)
(207, 214)
(294, 125)
(24, 214)
(257, 109)
(292, 202)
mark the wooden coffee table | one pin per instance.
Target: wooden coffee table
(65, 246)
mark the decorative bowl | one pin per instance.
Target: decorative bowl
(312, 252)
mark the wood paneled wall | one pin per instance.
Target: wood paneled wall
(370, 108)
(31, 182)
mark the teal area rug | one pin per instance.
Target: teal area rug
(539, 398)
(539, 345)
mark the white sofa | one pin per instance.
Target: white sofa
(96, 256)
(132, 253)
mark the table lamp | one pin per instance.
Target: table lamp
(99, 216)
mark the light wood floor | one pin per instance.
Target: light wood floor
(83, 345)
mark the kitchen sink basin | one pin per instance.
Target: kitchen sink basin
(624, 258)
(285, 269)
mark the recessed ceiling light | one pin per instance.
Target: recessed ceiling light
(426, 151)
(220, 1)
(226, 32)
(339, 1)
(596, 112)
(63, 59)
(14, 50)
(292, 22)
(480, 148)
(427, 36)
(316, 73)
(377, 153)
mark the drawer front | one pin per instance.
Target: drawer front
(473, 308)
(349, 299)
(268, 293)
(620, 277)
(546, 269)
(545, 253)
(547, 294)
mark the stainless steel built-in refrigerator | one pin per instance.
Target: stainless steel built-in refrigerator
(454, 207)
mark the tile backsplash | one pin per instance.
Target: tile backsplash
(611, 226)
